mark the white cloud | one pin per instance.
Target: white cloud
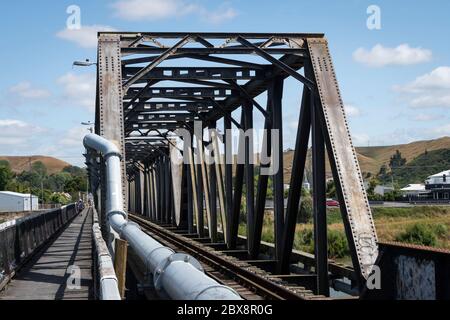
(144, 10)
(429, 90)
(425, 117)
(86, 37)
(360, 139)
(352, 111)
(442, 130)
(429, 101)
(73, 138)
(437, 79)
(65, 145)
(380, 56)
(17, 132)
(136, 10)
(25, 90)
(79, 89)
(222, 14)
(18, 137)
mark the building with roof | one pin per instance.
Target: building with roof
(439, 185)
(416, 190)
(18, 202)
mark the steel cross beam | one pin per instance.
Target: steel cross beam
(180, 92)
(207, 73)
(170, 106)
(155, 63)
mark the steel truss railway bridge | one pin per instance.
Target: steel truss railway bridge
(162, 97)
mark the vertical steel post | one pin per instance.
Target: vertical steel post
(167, 188)
(159, 176)
(249, 171)
(297, 174)
(354, 205)
(237, 196)
(190, 199)
(261, 193)
(200, 203)
(278, 184)
(109, 105)
(213, 193)
(319, 201)
(228, 176)
(203, 179)
(145, 209)
(137, 182)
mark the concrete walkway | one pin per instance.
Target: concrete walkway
(48, 275)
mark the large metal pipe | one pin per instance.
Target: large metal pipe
(179, 276)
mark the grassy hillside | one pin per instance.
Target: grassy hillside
(375, 157)
(372, 158)
(22, 163)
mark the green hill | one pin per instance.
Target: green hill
(418, 169)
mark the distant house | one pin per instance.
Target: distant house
(382, 190)
(439, 185)
(379, 189)
(414, 190)
(17, 202)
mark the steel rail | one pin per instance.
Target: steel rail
(263, 286)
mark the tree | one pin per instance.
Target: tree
(331, 189)
(371, 188)
(75, 171)
(383, 170)
(5, 163)
(30, 179)
(305, 213)
(5, 176)
(59, 198)
(396, 160)
(39, 168)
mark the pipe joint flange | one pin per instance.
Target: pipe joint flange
(108, 276)
(128, 224)
(109, 214)
(112, 154)
(176, 257)
(216, 286)
(148, 258)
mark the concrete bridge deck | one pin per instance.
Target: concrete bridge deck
(47, 277)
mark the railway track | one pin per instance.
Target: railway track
(250, 281)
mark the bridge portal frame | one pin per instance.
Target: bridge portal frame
(131, 65)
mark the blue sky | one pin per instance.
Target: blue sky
(395, 81)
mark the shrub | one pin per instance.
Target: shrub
(337, 244)
(305, 240)
(268, 235)
(420, 234)
(306, 211)
(440, 230)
